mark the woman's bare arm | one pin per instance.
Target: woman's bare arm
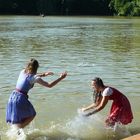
(50, 85)
(93, 105)
(100, 106)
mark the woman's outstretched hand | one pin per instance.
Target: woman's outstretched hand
(84, 112)
(83, 109)
(81, 112)
(63, 75)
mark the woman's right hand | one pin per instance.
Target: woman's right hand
(49, 73)
(83, 109)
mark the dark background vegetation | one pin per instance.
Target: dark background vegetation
(70, 7)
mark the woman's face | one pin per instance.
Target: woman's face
(94, 86)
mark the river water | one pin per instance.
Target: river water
(108, 47)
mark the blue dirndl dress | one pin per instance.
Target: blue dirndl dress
(19, 107)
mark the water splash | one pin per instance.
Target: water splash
(14, 133)
(78, 128)
(85, 127)
(36, 134)
(119, 131)
(30, 133)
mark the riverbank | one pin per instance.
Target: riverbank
(134, 137)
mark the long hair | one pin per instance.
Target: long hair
(96, 96)
(32, 66)
(98, 81)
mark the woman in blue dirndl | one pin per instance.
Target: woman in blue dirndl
(19, 110)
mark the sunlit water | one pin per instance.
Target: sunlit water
(83, 46)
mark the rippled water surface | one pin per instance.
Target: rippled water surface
(85, 47)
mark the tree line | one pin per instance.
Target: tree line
(70, 7)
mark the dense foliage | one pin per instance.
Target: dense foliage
(126, 7)
(71, 7)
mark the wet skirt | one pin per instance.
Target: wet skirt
(120, 112)
(19, 108)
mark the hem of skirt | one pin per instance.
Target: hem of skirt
(20, 121)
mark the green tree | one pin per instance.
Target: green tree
(125, 7)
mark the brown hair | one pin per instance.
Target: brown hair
(32, 66)
(98, 81)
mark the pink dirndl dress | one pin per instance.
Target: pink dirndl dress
(120, 110)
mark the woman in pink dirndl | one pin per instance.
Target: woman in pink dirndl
(120, 110)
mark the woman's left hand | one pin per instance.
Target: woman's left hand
(63, 75)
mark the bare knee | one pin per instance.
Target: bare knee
(25, 122)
